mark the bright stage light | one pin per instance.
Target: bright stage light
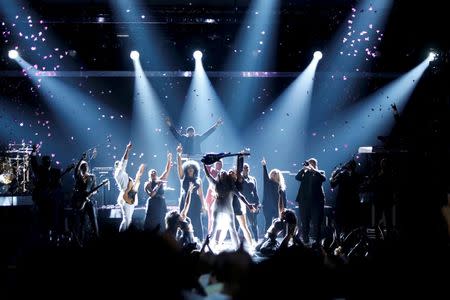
(432, 56)
(198, 54)
(13, 54)
(134, 55)
(318, 55)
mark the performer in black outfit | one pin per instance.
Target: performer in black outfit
(179, 222)
(156, 203)
(191, 141)
(249, 190)
(347, 207)
(384, 194)
(311, 198)
(84, 183)
(273, 183)
(287, 220)
(47, 194)
(188, 172)
(239, 208)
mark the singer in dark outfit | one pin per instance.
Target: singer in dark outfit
(156, 203)
(84, 183)
(273, 182)
(311, 198)
(191, 141)
(188, 172)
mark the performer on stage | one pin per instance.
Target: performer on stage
(128, 188)
(180, 221)
(84, 184)
(311, 198)
(249, 190)
(223, 213)
(347, 207)
(239, 208)
(191, 141)
(47, 194)
(188, 172)
(273, 185)
(286, 220)
(210, 195)
(156, 203)
(384, 183)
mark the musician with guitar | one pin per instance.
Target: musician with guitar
(128, 187)
(85, 186)
(156, 203)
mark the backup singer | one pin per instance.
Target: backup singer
(188, 172)
(128, 188)
(274, 184)
(249, 190)
(156, 203)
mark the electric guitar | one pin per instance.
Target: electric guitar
(129, 196)
(82, 198)
(210, 158)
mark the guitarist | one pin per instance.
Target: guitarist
(84, 184)
(128, 188)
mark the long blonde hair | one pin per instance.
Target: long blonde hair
(281, 180)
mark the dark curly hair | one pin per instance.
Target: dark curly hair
(172, 220)
(191, 164)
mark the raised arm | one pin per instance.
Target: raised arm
(166, 172)
(322, 176)
(300, 174)
(200, 195)
(174, 131)
(265, 174)
(211, 130)
(208, 175)
(239, 167)
(179, 162)
(255, 192)
(187, 202)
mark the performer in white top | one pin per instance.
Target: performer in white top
(128, 188)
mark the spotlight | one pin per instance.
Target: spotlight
(198, 54)
(432, 56)
(134, 55)
(318, 55)
(13, 54)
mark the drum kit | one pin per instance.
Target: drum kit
(15, 170)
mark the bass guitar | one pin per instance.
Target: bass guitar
(81, 200)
